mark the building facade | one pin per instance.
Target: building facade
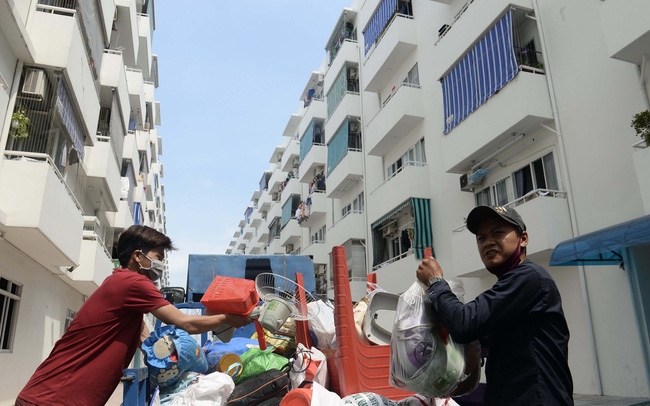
(79, 162)
(423, 109)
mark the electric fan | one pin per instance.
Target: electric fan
(282, 298)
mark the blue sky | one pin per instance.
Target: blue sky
(230, 74)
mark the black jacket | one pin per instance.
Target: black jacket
(528, 336)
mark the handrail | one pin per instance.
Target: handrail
(393, 259)
(394, 174)
(46, 158)
(69, 12)
(525, 198)
(640, 145)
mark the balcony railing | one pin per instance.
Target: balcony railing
(523, 199)
(393, 259)
(33, 156)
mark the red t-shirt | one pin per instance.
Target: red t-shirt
(86, 364)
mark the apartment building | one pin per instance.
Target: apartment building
(423, 109)
(79, 162)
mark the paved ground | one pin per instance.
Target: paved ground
(588, 400)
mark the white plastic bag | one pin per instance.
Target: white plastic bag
(309, 365)
(211, 390)
(424, 358)
(322, 397)
(323, 324)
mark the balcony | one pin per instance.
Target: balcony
(316, 157)
(263, 232)
(257, 248)
(113, 75)
(316, 110)
(123, 218)
(411, 181)
(144, 43)
(350, 106)
(401, 113)
(291, 233)
(641, 158)
(275, 248)
(256, 219)
(130, 151)
(248, 232)
(66, 50)
(348, 54)
(276, 180)
(398, 41)
(317, 210)
(345, 175)
(291, 156)
(103, 175)
(127, 25)
(352, 226)
(476, 18)
(546, 214)
(391, 272)
(319, 252)
(95, 263)
(626, 29)
(43, 219)
(293, 187)
(275, 211)
(135, 84)
(519, 107)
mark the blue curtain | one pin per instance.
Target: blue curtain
(137, 217)
(485, 69)
(337, 92)
(422, 224)
(307, 141)
(337, 148)
(378, 22)
(287, 212)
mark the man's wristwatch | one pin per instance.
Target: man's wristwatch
(433, 280)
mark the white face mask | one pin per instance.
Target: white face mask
(156, 269)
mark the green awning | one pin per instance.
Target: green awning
(602, 247)
(390, 214)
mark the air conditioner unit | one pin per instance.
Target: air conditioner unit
(353, 74)
(466, 185)
(34, 84)
(390, 230)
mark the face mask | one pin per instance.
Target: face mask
(155, 271)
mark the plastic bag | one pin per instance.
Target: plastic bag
(323, 324)
(310, 365)
(256, 361)
(212, 389)
(424, 358)
(181, 354)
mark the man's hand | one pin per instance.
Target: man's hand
(428, 268)
(236, 320)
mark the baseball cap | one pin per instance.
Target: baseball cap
(480, 213)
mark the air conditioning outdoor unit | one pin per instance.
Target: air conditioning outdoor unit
(34, 84)
(467, 185)
(390, 230)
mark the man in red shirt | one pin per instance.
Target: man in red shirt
(86, 364)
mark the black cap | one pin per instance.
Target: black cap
(480, 213)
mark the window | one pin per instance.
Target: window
(413, 77)
(539, 174)
(318, 236)
(357, 206)
(501, 192)
(483, 198)
(414, 156)
(9, 299)
(69, 316)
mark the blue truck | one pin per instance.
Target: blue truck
(201, 271)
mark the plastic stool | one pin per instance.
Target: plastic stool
(297, 397)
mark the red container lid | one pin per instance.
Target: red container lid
(231, 295)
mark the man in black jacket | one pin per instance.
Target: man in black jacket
(521, 315)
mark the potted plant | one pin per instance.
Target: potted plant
(641, 124)
(20, 124)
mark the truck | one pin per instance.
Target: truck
(201, 271)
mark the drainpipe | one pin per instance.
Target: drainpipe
(4, 135)
(567, 183)
(641, 72)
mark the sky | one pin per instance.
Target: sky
(230, 76)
